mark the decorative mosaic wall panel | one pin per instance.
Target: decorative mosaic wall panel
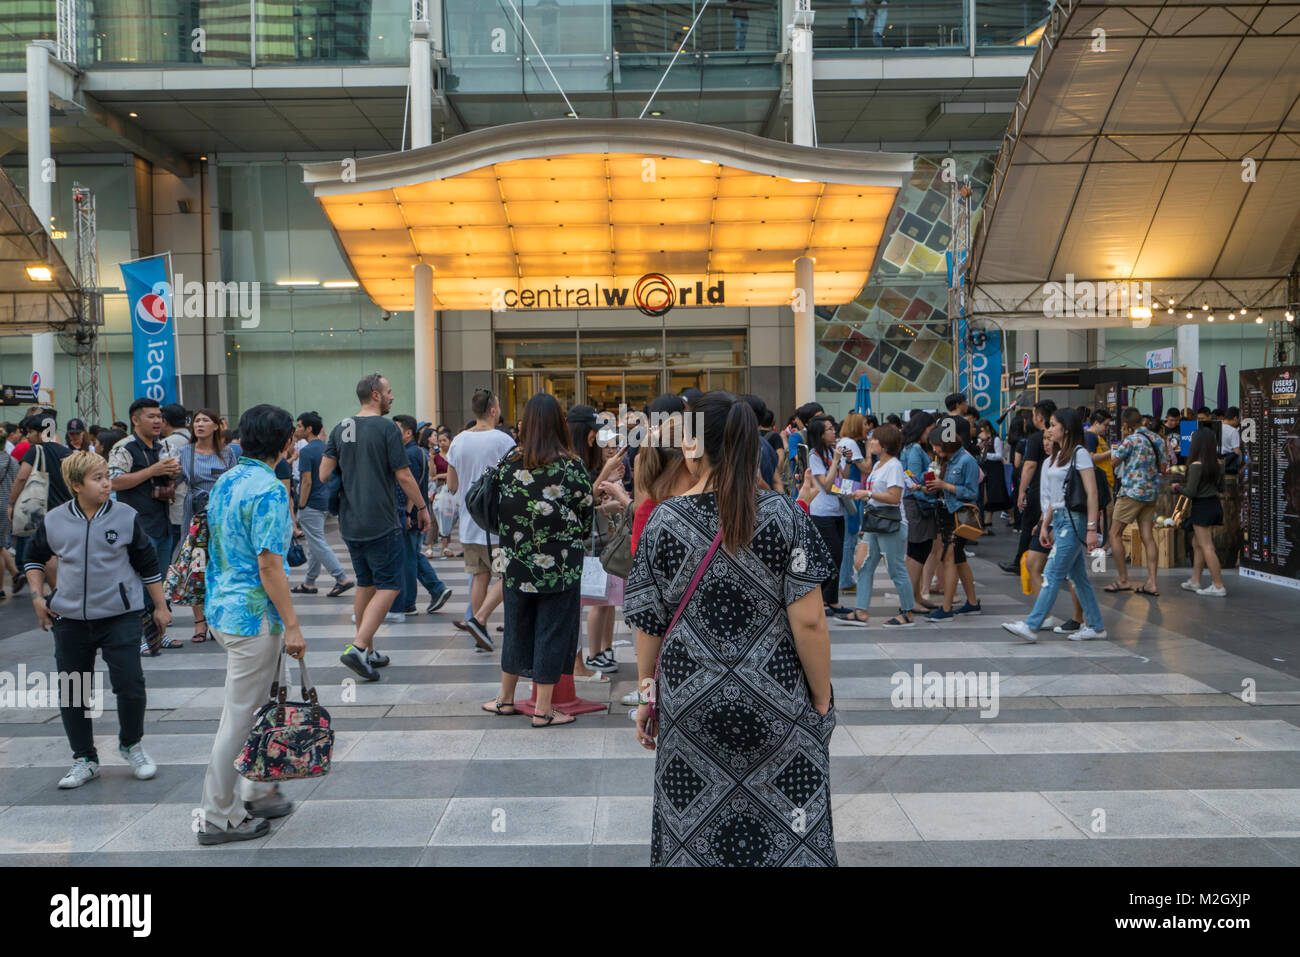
(897, 330)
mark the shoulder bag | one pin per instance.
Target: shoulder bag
(616, 557)
(652, 728)
(184, 584)
(29, 510)
(290, 739)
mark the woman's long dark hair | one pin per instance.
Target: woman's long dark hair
(218, 438)
(1072, 435)
(915, 426)
(588, 453)
(543, 433)
(1205, 450)
(731, 448)
(816, 437)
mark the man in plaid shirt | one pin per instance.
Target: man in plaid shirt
(1139, 459)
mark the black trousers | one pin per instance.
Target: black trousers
(118, 640)
(1028, 524)
(541, 636)
(832, 532)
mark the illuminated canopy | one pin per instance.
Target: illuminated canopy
(28, 304)
(581, 209)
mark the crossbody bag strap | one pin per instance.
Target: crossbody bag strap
(699, 573)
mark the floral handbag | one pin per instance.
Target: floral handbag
(290, 739)
(185, 577)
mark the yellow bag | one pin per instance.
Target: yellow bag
(1025, 585)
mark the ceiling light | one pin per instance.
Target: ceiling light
(40, 273)
(340, 284)
(1211, 317)
(133, 115)
(1243, 310)
(1259, 320)
(1139, 312)
(203, 158)
(1290, 317)
(1205, 307)
(1189, 315)
(572, 115)
(1170, 310)
(1232, 316)
(656, 112)
(1171, 300)
(297, 282)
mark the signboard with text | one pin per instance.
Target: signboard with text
(1270, 475)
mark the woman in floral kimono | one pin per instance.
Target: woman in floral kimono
(544, 516)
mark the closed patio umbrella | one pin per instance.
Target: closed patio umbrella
(1157, 403)
(1223, 386)
(1198, 393)
(863, 401)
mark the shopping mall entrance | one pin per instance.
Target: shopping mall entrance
(606, 370)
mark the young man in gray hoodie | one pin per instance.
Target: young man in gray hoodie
(106, 561)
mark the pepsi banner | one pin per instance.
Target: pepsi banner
(153, 329)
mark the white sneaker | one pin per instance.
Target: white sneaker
(1021, 630)
(82, 770)
(1213, 592)
(1190, 585)
(1050, 622)
(395, 618)
(631, 698)
(1087, 634)
(141, 764)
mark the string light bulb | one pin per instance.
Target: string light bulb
(1290, 317)
(1259, 320)
(1211, 317)
(1189, 315)
(1243, 310)
(1205, 307)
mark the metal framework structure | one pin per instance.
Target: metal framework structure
(958, 304)
(91, 301)
(66, 24)
(1125, 158)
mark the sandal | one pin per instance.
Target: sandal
(199, 636)
(171, 643)
(900, 621)
(498, 704)
(1114, 587)
(549, 719)
(338, 589)
(303, 590)
(1148, 592)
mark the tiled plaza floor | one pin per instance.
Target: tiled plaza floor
(1138, 750)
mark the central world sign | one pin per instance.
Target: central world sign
(654, 295)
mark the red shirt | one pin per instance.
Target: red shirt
(20, 450)
(639, 519)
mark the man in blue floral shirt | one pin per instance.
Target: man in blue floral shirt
(248, 607)
(1139, 459)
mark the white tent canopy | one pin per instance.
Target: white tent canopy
(1153, 142)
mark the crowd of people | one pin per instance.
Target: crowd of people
(741, 542)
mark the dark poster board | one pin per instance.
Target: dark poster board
(1107, 395)
(1270, 475)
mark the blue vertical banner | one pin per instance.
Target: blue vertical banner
(982, 383)
(153, 329)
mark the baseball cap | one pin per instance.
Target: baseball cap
(76, 425)
(583, 415)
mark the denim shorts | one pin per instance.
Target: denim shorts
(378, 562)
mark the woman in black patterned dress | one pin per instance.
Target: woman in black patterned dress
(742, 768)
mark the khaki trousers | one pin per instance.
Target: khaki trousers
(250, 668)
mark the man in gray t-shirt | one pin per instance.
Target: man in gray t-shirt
(367, 450)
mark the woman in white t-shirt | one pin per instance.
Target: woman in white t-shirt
(1070, 533)
(883, 493)
(824, 458)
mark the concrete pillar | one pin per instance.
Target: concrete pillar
(426, 333)
(39, 189)
(1189, 357)
(805, 341)
(421, 81)
(803, 125)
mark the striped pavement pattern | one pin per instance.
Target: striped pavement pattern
(1135, 750)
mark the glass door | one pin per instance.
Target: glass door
(515, 389)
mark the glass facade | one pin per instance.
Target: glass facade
(604, 369)
(593, 45)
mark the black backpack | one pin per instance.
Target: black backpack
(483, 499)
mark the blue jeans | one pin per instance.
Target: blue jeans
(163, 546)
(894, 548)
(415, 568)
(1067, 559)
(851, 525)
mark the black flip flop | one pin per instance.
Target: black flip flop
(1114, 588)
(1143, 591)
(339, 589)
(549, 719)
(303, 590)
